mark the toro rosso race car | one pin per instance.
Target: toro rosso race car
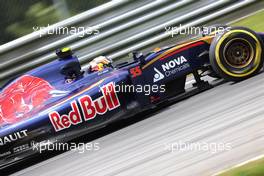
(59, 101)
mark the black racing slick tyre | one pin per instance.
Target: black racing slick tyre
(236, 54)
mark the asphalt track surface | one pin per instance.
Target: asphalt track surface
(229, 114)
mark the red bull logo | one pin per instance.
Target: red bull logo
(23, 97)
(89, 109)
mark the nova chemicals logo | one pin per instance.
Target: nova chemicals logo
(158, 75)
(175, 66)
(174, 63)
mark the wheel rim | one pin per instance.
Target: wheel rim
(238, 53)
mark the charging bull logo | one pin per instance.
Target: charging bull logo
(23, 97)
(89, 108)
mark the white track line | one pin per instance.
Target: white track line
(248, 15)
(239, 165)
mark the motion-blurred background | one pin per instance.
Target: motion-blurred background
(19, 16)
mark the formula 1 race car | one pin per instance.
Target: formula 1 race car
(59, 101)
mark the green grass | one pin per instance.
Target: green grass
(254, 168)
(254, 22)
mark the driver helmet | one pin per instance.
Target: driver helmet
(98, 63)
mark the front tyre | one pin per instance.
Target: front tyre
(236, 54)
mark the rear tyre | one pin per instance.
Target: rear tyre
(236, 54)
